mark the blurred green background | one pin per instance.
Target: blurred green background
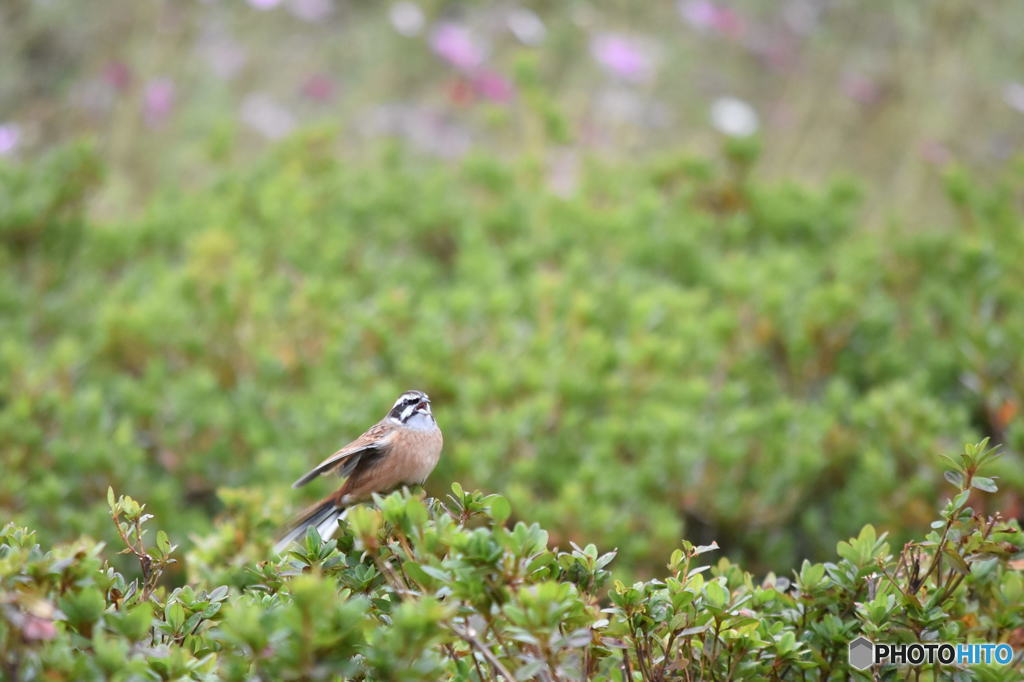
(732, 271)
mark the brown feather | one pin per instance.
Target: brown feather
(408, 460)
(388, 455)
(376, 437)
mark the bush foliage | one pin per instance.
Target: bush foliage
(429, 590)
(674, 349)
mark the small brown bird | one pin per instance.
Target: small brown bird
(400, 449)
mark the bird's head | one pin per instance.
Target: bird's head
(412, 408)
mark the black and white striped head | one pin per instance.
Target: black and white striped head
(411, 406)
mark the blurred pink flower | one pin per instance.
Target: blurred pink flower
(456, 45)
(700, 14)
(460, 91)
(10, 138)
(118, 75)
(622, 57)
(311, 10)
(406, 18)
(729, 23)
(264, 4)
(775, 50)
(492, 85)
(707, 16)
(319, 87)
(860, 88)
(158, 100)
(35, 628)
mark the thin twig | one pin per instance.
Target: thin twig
(498, 666)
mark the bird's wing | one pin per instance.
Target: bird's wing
(377, 438)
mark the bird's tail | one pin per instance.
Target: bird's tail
(323, 516)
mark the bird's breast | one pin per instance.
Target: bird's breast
(416, 454)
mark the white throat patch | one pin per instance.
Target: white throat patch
(420, 421)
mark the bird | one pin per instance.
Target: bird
(401, 449)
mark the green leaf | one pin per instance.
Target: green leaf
(715, 595)
(957, 562)
(530, 669)
(416, 572)
(312, 541)
(689, 632)
(846, 551)
(136, 623)
(811, 575)
(83, 608)
(193, 621)
(174, 614)
(163, 543)
(703, 549)
(984, 483)
(1012, 587)
(499, 508)
(786, 643)
(416, 512)
(220, 593)
(435, 573)
(910, 600)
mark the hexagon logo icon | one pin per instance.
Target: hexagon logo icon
(862, 653)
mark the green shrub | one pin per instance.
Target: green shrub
(420, 589)
(42, 205)
(676, 349)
